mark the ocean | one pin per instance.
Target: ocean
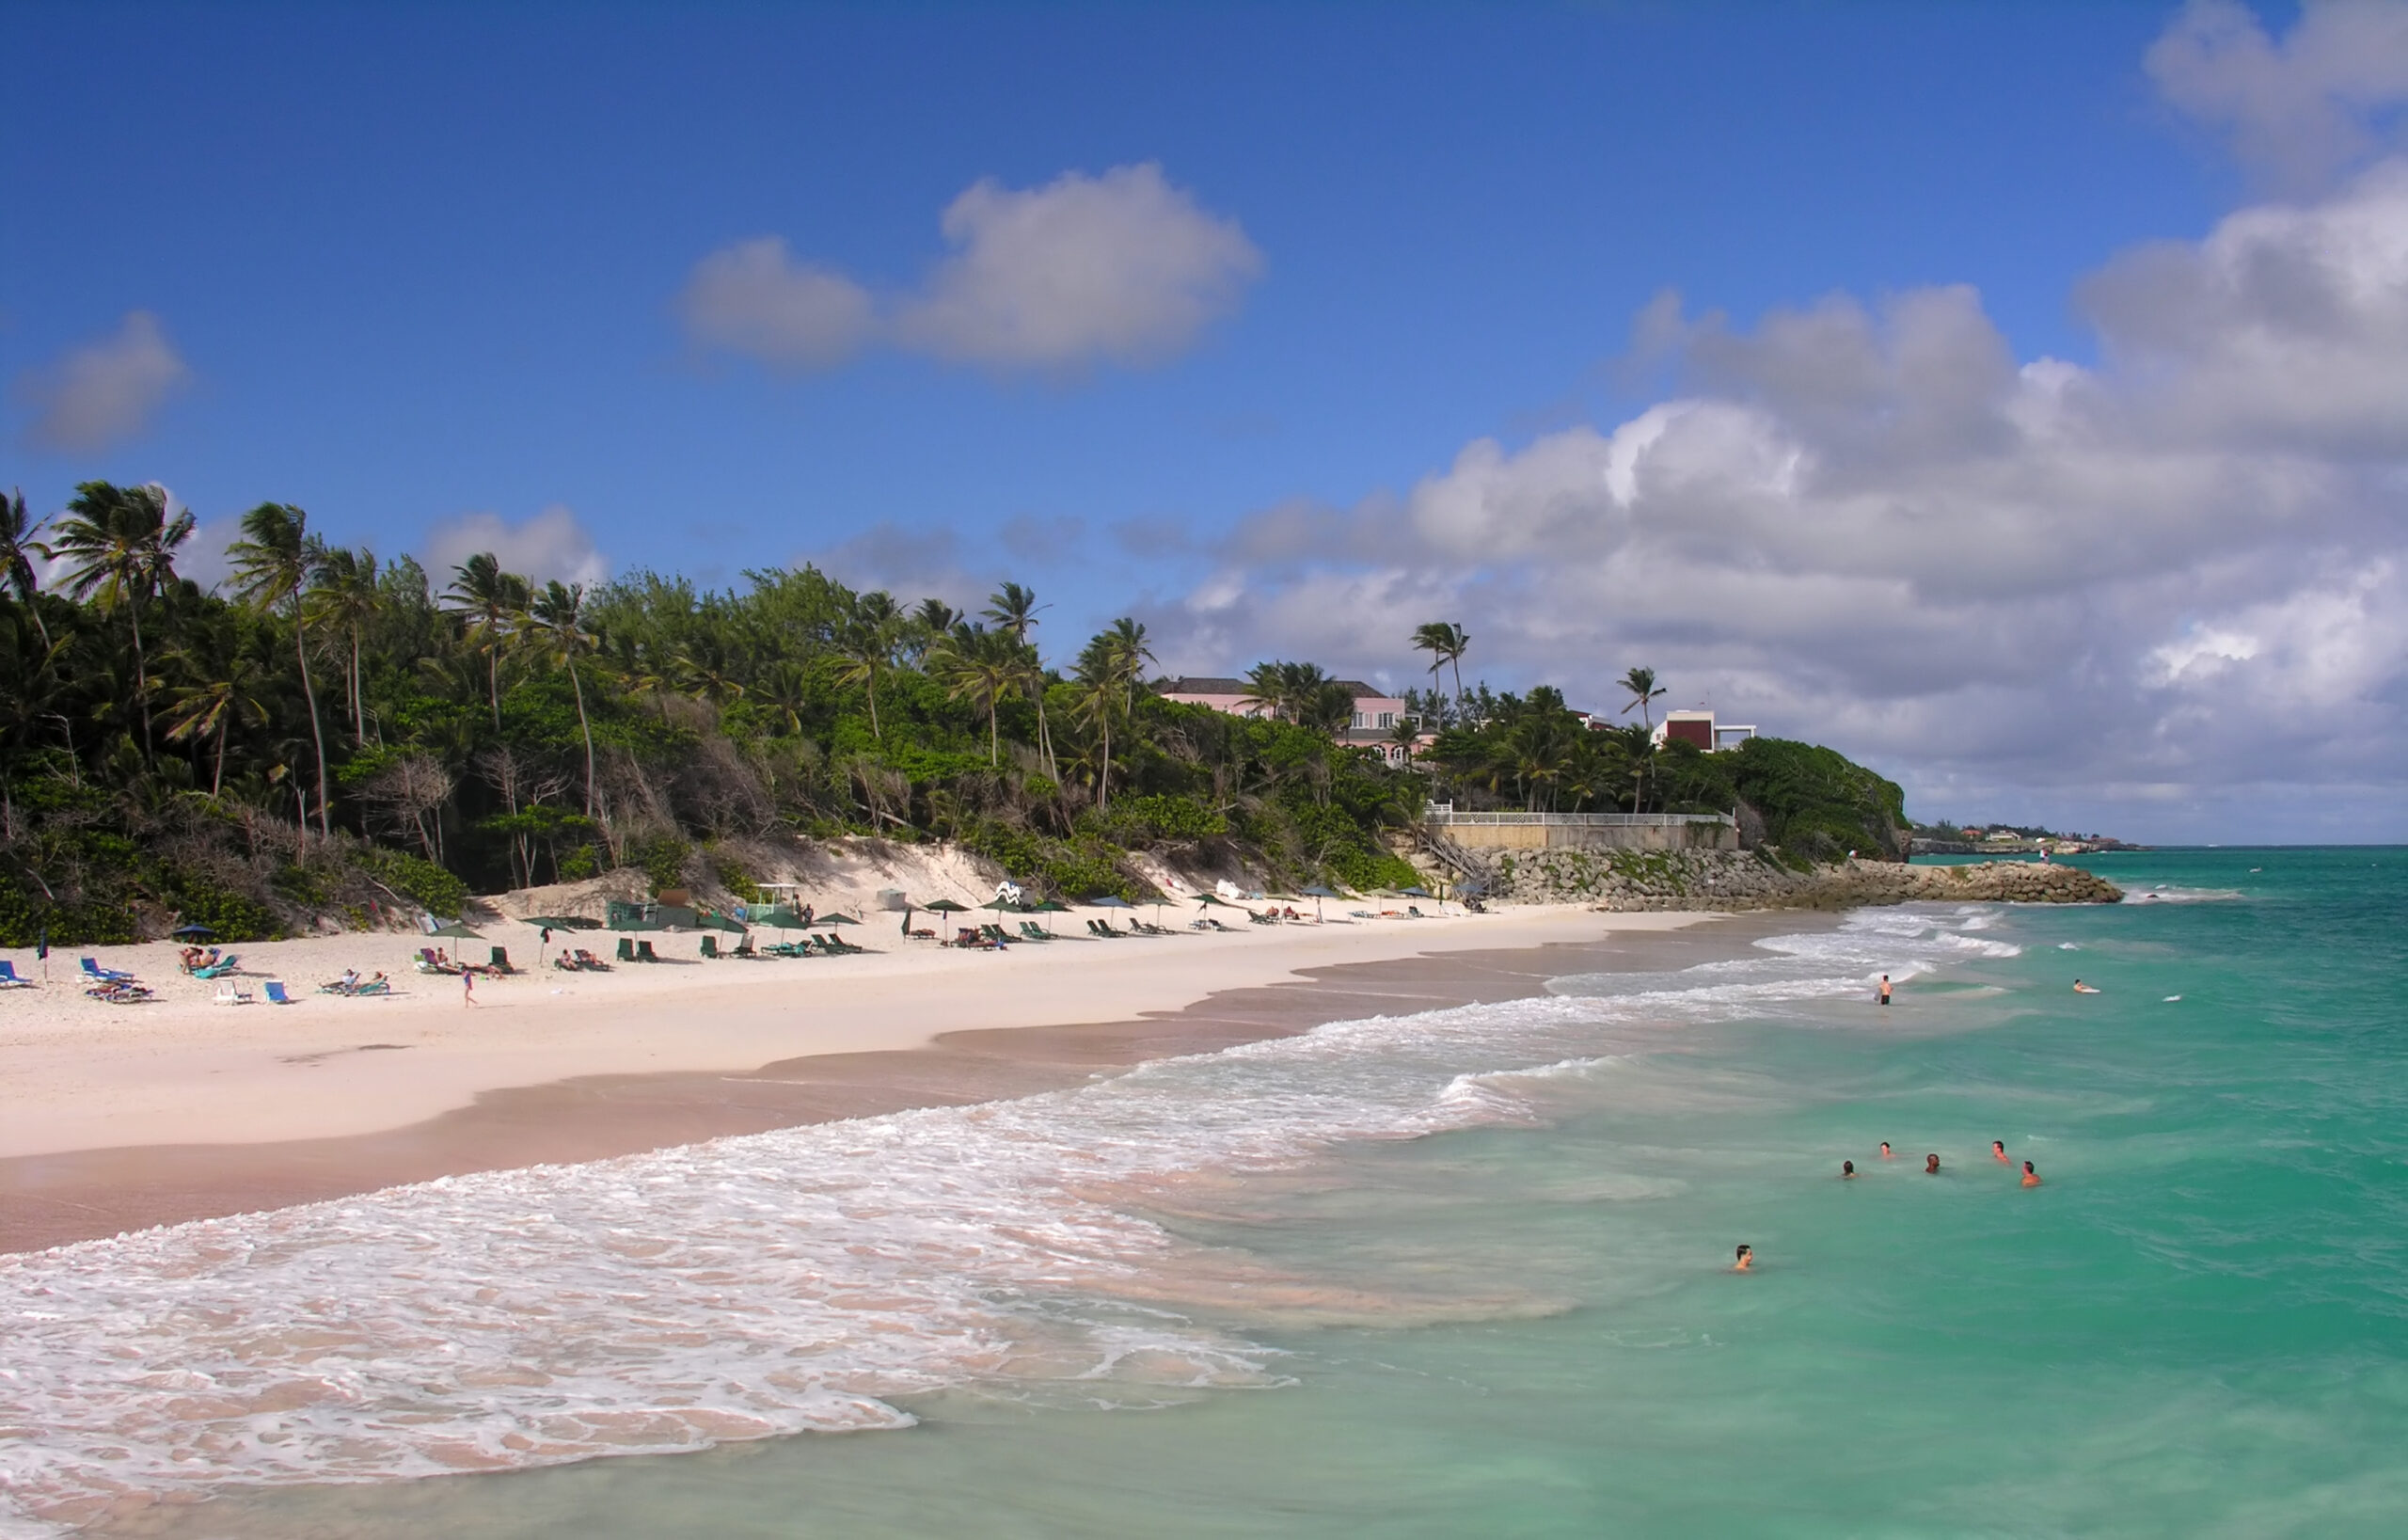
(1461, 1273)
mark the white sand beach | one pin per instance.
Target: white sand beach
(76, 1073)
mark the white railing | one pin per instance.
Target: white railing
(1443, 814)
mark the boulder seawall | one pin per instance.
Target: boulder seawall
(1733, 880)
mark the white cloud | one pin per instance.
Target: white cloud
(1120, 268)
(550, 543)
(2070, 590)
(1123, 267)
(2298, 110)
(103, 391)
(755, 300)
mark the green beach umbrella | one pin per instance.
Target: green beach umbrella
(454, 931)
(837, 919)
(562, 922)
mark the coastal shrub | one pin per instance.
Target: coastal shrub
(199, 898)
(420, 881)
(1067, 870)
(580, 864)
(661, 858)
(1144, 819)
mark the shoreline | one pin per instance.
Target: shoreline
(317, 1114)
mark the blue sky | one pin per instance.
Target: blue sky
(430, 272)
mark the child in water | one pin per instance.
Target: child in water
(1847, 1171)
(1747, 1259)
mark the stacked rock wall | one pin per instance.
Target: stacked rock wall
(1729, 879)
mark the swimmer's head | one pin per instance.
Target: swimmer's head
(1743, 1253)
(1997, 1146)
(1885, 1146)
(1848, 1167)
(1931, 1163)
(2027, 1168)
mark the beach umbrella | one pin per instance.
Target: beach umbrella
(1110, 901)
(454, 931)
(1317, 893)
(837, 919)
(946, 906)
(706, 920)
(193, 930)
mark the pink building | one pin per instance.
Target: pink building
(1375, 715)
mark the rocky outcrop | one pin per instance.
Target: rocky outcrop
(1727, 880)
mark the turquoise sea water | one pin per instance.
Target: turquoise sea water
(1458, 1275)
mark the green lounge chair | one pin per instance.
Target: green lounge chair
(626, 948)
(644, 952)
(710, 945)
(500, 960)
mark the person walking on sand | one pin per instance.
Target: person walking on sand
(1998, 1152)
(1931, 1165)
(2030, 1177)
(1885, 988)
(467, 989)
(1747, 1259)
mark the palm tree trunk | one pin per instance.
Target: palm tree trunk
(994, 748)
(1103, 770)
(358, 707)
(317, 732)
(217, 779)
(875, 731)
(492, 677)
(141, 679)
(586, 728)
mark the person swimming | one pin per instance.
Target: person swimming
(1931, 1165)
(2080, 987)
(2030, 1177)
(1847, 1171)
(1998, 1151)
(1747, 1257)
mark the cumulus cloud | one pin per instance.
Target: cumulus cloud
(103, 391)
(2172, 576)
(550, 543)
(2298, 110)
(753, 298)
(1122, 268)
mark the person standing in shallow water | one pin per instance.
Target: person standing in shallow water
(1884, 995)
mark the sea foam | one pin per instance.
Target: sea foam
(796, 1280)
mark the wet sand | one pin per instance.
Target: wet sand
(57, 1197)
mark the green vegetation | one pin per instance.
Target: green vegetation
(331, 734)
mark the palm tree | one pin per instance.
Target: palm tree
(273, 563)
(706, 671)
(493, 602)
(1111, 667)
(124, 546)
(1441, 640)
(224, 694)
(1446, 641)
(343, 597)
(1013, 608)
(557, 618)
(981, 666)
(866, 648)
(785, 688)
(20, 542)
(1644, 694)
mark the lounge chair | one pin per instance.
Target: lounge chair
(118, 992)
(92, 969)
(217, 969)
(567, 962)
(1029, 931)
(499, 962)
(589, 962)
(644, 952)
(231, 994)
(710, 946)
(626, 948)
(276, 995)
(9, 977)
(743, 948)
(374, 986)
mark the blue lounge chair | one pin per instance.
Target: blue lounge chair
(9, 979)
(222, 966)
(92, 969)
(276, 995)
